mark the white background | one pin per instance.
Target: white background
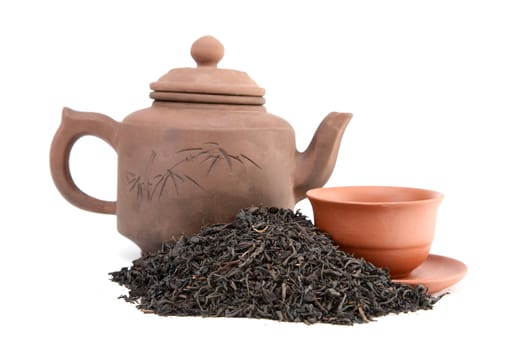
(437, 91)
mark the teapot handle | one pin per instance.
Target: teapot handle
(74, 125)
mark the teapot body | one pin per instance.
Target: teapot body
(183, 165)
(203, 150)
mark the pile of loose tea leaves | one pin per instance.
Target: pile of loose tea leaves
(268, 263)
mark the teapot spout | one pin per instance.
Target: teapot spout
(315, 165)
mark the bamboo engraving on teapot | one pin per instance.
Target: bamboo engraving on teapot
(149, 185)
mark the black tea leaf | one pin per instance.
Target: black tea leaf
(268, 263)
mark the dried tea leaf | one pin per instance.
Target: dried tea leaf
(268, 263)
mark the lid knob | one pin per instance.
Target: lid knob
(207, 51)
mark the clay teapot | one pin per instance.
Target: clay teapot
(204, 149)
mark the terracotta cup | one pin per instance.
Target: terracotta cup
(392, 227)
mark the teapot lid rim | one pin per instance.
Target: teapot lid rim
(207, 98)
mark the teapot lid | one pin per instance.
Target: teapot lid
(206, 83)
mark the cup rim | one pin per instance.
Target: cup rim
(315, 194)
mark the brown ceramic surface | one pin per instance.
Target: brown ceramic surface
(436, 273)
(204, 149)
(389, 226)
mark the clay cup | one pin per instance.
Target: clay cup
(392, 227)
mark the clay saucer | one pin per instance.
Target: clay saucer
(436, 273)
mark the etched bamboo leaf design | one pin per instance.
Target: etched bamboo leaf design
(225, 156)
(153, 184)
(194, 182)
(213, 162)
(157, 181)
(250, 160)
(213, 154)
